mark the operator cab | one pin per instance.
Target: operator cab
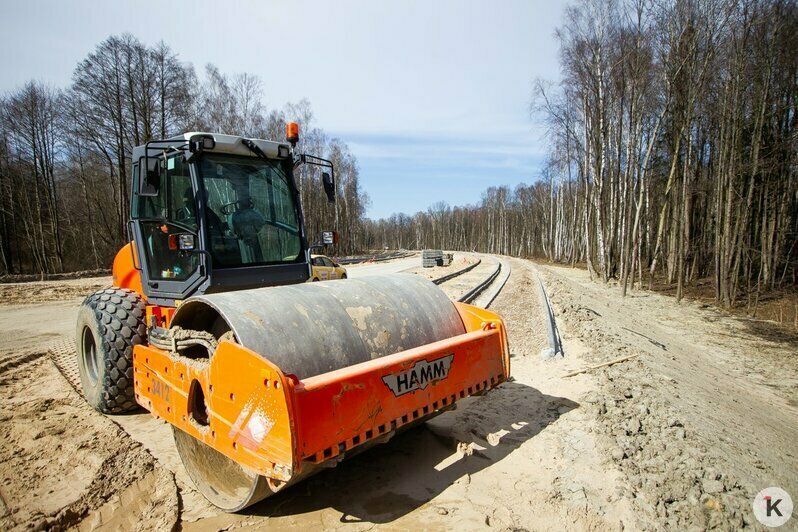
(213, 213)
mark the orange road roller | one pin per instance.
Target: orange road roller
(265, 378)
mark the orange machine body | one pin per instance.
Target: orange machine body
(126, 274)
(282, 427)
(245, 407)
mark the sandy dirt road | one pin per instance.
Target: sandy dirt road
(648, 444)
(380, 268)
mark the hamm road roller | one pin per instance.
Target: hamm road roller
(211, 326)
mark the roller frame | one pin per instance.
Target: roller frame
(284, 428)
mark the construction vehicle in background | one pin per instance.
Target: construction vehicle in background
(265, 378)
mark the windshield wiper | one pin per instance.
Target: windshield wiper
(254, 148)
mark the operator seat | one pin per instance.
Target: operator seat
(247, 223)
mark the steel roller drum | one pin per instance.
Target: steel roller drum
(307, 330)
(314, 328)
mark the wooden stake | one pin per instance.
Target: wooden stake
(604, 364)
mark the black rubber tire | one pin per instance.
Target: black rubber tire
(110, 323)
(343, 276)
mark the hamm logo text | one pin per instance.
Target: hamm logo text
(419, 376)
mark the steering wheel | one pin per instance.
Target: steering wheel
(227, 208)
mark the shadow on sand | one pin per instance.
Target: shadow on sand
(391, 480)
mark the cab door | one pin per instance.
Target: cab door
(157, 223)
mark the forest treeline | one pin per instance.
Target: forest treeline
(673, 139)
(672, 152)
(65, 152)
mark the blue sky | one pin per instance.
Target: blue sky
(432, 97)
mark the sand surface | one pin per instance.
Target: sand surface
(682, 436)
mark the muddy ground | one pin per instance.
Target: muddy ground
(680, 437)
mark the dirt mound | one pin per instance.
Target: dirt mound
(64, 465)
(25, 278)
(703, 417)
(44, 291)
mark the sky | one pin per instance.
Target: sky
(433, 97)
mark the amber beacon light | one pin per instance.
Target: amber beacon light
(292, 133)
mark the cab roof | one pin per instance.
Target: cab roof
(229, 144)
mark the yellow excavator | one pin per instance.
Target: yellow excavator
(211, 326)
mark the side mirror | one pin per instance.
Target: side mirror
(329, 186)
(149, 176)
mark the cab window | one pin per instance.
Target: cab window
(251, 216)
